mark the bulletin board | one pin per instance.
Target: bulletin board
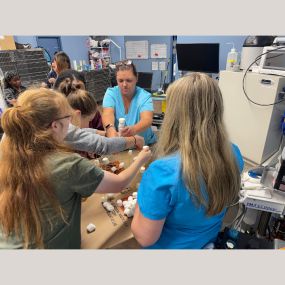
(136, 49)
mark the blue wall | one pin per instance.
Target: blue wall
(26, 40)
(144, 65)
(74, 46)
(115, 53)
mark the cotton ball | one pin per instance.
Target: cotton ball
(91, 228)
(130, 198)
(146, 147)
(135, 194)
(110, 196)
(125, 203)
(121, 165)
(106, 204)
(142, 169)
(110, 208)
(104, 199)
(105, 160)
(119, 203)
(128, 213)
(113, 169)
(130, 152)
(134, 202)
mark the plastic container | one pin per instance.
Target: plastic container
(232, 59)
(121, 125)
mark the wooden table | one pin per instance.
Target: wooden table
(112, 228)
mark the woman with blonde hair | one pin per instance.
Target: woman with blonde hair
(41, 180)
(200, 170)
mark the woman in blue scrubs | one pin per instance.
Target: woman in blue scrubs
(183, 195)
(126, 100)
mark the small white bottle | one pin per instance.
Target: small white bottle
(232, 59)
(121, 125)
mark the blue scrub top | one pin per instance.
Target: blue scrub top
(141, 102)
(162, 194)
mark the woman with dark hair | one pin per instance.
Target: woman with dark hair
(88, 139)
(13, 87)
(70, 80)
(184, 194)
(130, 102)
(59, 64)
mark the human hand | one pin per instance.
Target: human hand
(13, 101)
(127, 131)
(144, 156)
(139, 142)
(51, 80)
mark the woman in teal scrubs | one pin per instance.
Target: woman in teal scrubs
(126, 100)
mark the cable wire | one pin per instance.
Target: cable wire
(243, 80)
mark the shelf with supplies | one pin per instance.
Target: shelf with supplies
(99, 52)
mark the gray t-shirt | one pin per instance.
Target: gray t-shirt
(73, 177)
(87, 140)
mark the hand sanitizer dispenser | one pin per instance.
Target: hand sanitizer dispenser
(232, 59)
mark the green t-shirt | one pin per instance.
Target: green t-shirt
(73, 177)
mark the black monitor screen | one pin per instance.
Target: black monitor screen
(198, 57)
(145, 80)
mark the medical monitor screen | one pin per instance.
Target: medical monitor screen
(198, 57)
(145, 80)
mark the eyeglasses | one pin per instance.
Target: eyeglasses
(124, 63)
(65, 117)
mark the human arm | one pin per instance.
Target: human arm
(146, 231)
(131, 142)
(108, 119)
(9, 97)
(101, 133)
(88, 140)
(155, 202)
(144, 123)
(116, 183)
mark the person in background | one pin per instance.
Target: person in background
(130, 102)
(59, 64)
(40, 200)
(87, 139)
(84, 106)
(12, 87)
(183, 194)
(51, 77)
(73, 79)
(84, 109)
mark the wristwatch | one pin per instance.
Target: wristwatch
(109, 126)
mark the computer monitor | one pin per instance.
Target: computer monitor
(198, 57)
(145, 80)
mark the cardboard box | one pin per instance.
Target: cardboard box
(7, 43)
(113, 229)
